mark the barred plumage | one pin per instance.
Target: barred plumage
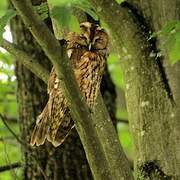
(87, 53)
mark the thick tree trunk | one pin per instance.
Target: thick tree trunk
(153, 115)
(46, 162)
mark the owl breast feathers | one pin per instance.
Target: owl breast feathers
(87, 53)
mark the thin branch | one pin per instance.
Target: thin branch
(26, 60)
(3, 118)
(10, 166)
(14, 175)
(6, 138)
(11, 119)
(26, 146)
(23, 143)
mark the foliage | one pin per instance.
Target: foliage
(9, 148)
(119, 1)
(3, 6)
(171, 35)
(62, 12)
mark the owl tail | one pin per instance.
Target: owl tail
(39, 133)
(62, 132)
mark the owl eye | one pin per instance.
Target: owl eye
(98, 39)
(83, 37)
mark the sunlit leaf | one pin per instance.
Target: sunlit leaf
(174, 53)
(81, 4)
(166, 30)
(3, 7)
(168, 27)
(6, 58)
(74, 24)
(85, 6)
(59, 2)
(62, 14)
(88, 11)
(119, 1)
(42, 10)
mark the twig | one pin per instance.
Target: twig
(11, 119)
(10, 130)
(10, 166)
(6, 138)
(9, 162)
(27, 147)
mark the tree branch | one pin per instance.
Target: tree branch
(11, 119)
(26, 60)
(3, 118)
(10, 166)
(98, 155)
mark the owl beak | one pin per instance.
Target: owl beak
(90, 45)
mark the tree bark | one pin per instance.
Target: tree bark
(46, 162)
(152, 102)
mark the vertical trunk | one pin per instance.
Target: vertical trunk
(46, 162)
(152, 114)
(156, 15)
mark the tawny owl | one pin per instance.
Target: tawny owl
(87, 53)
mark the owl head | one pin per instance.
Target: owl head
(92, 37)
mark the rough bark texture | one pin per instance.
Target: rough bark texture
(46, 162)
(150, 97)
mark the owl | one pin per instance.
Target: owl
(87, 54)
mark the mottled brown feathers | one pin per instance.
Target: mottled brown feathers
(87, 53)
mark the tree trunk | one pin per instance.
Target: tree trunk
(46, 162)
(152, 100)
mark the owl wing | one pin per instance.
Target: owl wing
(88, 72)
(54, 123)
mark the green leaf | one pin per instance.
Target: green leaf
(42, 10)
(168, 27)
(60, 2)
(81, 4)
(74, 24)
(6, 58)
(65, 18)
(62, 14)
(119, 1)
(10, 13)
(166, 30)
(87, 8)
(3, 7)
(174, 52)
